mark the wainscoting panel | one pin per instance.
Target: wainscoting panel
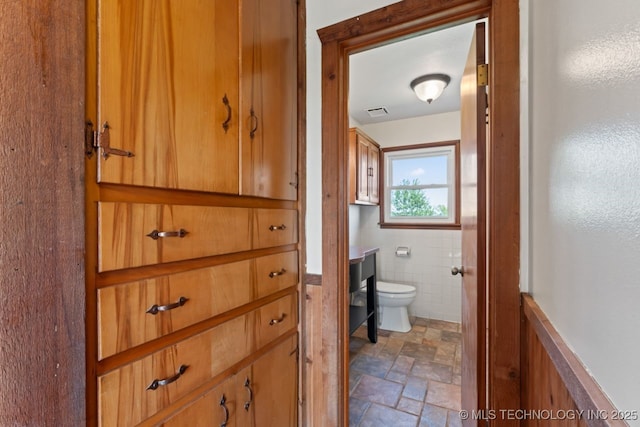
(556, 389)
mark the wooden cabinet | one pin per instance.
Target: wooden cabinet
(169, 92)
(275, 382)
(269, 99)
(192, 213)
(364, 172)
(261, 395)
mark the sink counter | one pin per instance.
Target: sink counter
(359, 253)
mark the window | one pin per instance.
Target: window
(421, 186)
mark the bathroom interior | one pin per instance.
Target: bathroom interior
(411, 374)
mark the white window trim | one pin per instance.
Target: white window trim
(437, 150)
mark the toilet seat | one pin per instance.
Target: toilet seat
(394, 288)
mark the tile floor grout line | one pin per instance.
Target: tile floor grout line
(421, 363)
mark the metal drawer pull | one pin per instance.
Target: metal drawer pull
(225, 125)
(277, 273)
(277, 227)
(247, 404)
(155, 234)
(155, 308)
(223, 402)
(160, 383)
(254, 119)
(276, 321)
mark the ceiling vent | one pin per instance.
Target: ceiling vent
(377, 112)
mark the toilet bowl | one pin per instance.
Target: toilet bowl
(393, 300)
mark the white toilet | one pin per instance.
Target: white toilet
(393, 300)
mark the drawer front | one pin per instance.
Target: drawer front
(274, 227)
(133, 234)
(276, 318)
(124, 397)
(124, 317)
(276, 272)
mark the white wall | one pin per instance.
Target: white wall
(584, 72)
(433, 252)
(320, 14)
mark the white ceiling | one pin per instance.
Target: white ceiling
(380, 77)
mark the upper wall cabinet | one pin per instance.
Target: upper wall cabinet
(364, 168)
(269, 99)
(169, 94)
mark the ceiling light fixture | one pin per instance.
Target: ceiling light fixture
(428, 88)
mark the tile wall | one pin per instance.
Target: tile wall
(428, 268)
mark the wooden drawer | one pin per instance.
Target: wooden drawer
(274, 227)
(276, 272)
(126, 233)
(124, 320)
(124, 397)
(276, 318)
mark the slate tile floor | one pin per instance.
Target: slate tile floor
(406, 379)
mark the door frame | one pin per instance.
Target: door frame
(383, 26)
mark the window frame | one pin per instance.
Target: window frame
(385, 205)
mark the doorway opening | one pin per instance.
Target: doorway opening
(397, 21)
(413, 372)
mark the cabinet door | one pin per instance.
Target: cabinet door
(217, 407)
(165, 67)
(363, 169)
(269, 98)
(275, 384)
(374, 173)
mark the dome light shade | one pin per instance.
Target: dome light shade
(428, 88)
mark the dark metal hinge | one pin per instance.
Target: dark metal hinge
(93, 140)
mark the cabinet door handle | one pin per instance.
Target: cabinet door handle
(155, 234)
(276, 321)
(247, 404)
(254, 121)
(161, 383)
(223, 403)
(225, 124)
(155, 308)
(277, 273)
(277, 227)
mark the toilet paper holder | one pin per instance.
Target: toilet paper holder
(403, 251)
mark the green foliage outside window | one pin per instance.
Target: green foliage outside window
(413, 202)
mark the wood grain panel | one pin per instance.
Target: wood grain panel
(276, 272)
(207, 410)
(542, 387)
(275, 377)
(123, 230)
(269, 98)
(276, 318)
(124, 398)
(268, 227)
(312, 358)
(164, 69)
(123, 321)
(42, 48)
(503, 213)
(554, 379)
